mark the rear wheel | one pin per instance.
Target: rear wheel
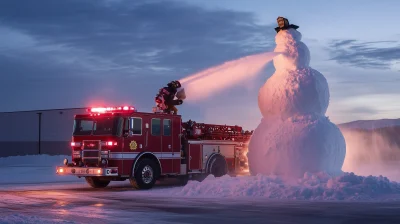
(145, 174)
(218, 166)
(96, 182)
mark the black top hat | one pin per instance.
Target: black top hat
(283, 24)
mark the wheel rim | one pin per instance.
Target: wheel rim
(147, 174)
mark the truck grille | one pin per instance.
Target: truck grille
(87, 153)
(91, 152)
(91, 145)
(90, 156)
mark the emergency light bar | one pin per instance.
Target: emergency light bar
(111, 109)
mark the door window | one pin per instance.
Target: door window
(136, 125)
(156, 126)
(167, 127)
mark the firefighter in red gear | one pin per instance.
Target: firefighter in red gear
(165, 98)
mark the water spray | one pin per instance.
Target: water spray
(207, 82)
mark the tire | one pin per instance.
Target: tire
(96, 183)
(218, 166)
(145, 175)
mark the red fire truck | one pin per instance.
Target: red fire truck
(120, 143)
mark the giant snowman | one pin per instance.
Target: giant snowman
(294, 135)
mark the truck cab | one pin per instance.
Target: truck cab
(107, 144)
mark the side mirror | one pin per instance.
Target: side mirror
(127, 133)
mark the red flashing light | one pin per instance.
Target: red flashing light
(99, 110)
(75, 144)
(111, 143)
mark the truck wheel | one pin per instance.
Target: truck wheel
(96, 183)
(145, 174)
(218, 166)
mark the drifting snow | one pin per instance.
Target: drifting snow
(320, 186)
(294, 135)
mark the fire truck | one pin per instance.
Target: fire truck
(120, 143)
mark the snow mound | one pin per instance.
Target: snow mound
(297, 145)
(297, 92)
(319, 186)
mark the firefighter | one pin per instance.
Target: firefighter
(165, 98)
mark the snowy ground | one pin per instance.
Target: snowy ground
(30, 192)
(32, 169)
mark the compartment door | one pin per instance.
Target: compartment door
(195, 157)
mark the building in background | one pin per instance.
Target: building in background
(20, 135)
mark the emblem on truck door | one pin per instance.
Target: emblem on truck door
(133, 145)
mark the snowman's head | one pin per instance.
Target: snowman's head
(294, 53)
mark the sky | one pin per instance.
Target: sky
(79, 53)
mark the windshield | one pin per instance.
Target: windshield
(98, 126)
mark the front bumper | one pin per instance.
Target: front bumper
(87, 171)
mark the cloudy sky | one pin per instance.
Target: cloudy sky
(77, 53)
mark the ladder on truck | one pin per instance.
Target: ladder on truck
(202, 131)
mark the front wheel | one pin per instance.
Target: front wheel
(96, 183)
(144, 176)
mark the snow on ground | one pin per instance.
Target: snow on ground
(348, 187)
(98, 213)
(389, 169)
(32, 169)
(26, 172)
(32, 160)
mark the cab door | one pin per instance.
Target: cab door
(134, 142)
(134, 137)
(153, 134)
(167, 146)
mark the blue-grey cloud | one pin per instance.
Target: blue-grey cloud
(149, 36)
(137, 42)
(365, 110)
(374, 54)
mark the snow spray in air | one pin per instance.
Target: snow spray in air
(295, 136)
(206, 83)
(370, 152)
